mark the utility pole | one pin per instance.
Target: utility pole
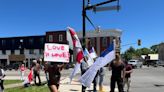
(83, 24)
(94, 7)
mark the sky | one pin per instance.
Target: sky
(138, 19)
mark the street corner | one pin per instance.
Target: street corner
(66, 86)
(75, 86)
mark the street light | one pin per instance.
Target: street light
(96, 8)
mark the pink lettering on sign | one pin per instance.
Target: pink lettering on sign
(48, 47)
(54, 47)
(46, 54)
(60, 55)
(62, 47)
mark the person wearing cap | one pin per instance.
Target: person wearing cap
(36, 70)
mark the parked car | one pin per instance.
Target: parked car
(135, 63)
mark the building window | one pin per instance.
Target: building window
(42, 40)
(4, 52)
(31, 41)
(3, 42)
(31, 51)
(12, 51)
(13, 42)
(92, 42)
(60, 38)
(41, 51)
(21, 51)
(50, 38)
(21, 40)
(104, 42)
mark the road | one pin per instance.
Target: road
(146, 79)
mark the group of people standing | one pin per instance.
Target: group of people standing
(52, 72)
(121, 73)
(34, 73)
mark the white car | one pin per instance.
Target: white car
(135, 63)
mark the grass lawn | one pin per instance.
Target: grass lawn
(43, 88)
(6, 82)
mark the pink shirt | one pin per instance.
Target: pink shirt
(22, 68)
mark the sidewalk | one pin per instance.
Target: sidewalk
(75, 86)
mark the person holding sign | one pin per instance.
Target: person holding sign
(54, 75)
(55, 54)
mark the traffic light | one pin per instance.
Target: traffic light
(139, 42)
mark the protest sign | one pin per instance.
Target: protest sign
(56, 52)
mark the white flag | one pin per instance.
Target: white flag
(107, 56)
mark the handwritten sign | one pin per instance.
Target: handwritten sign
(56, 52)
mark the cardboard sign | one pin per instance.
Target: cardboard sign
(56, 52)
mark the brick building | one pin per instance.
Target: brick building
(27, 48)
(101, 40)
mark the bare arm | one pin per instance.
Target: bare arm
(130, 71)
(61, 66)
(109, 67)
(123, 73)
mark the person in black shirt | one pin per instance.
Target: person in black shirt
(54, 76)
(117, 67)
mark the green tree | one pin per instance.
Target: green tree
(129, 53)
(145, 51)
(154, 48)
